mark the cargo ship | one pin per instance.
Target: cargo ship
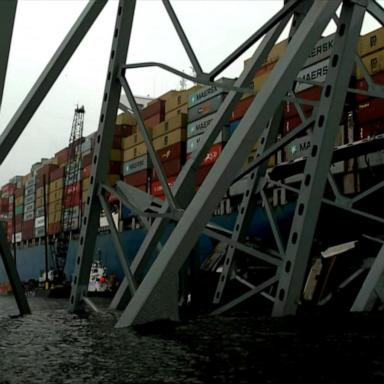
(176, 122)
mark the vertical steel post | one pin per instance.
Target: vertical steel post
(14, 225)
(152, 298)
(103, 145)
(292, 273)
(185, 183)
(14, 279)
(45, 230)
(7, 19)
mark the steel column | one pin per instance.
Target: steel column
(103, 145)
(185, 183)
(7, 19)
(299, 246)
(14, 279)
(152, 297)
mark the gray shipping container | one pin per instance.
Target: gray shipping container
(39, 211)
(30, 182)
(321, 51)
(29, 199)
(199, 126)
(193, 142)
(29, 207)
(205, 108)
(28, 216)
(208, 92)
(136, 165)
(39, 232)
(30, 190)
(316, 72)
(298, 148)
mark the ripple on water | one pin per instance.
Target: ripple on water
(53, 346)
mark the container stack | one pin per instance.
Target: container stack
(19, 207)
(136, 167)
(202, 106)
(29, 208)
(55, 200)
(169, 141)
(315, 69)
(369, 110)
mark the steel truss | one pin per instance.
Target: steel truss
(152, 295)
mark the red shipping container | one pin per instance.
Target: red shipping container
(19, 192)
(19, 219)
(312, 94)
(116, 143)
(8, 189)
(72, 200)
(62, 156)
(378, 79)
(137, 178)
(123, 130)
(212, 155)
(157, 188)
(371, 129)
(86, 171)
(172, 152)
(54, 228)
(57, 174)
(241, 107)
(46, 170)
(201, 173)
(87, 159)
(171, 168)
(114, 167)
(291, 123)
(156, 107)
(29, 224)
(152, 121)
(371, 110)
(72, 189)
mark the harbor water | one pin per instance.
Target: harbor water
(53, 346)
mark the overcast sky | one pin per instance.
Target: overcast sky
(215, 28)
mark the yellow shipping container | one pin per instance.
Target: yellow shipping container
(174, 99)
(54, 217)
(55, 185)
(39, 202)
(170, 125)
(371, 42)
(19, 200)
(373, 62)
(170, 138)
(85, 184)
(112, 179)
(55, 206)
(275, 53)
(176, 112)
(125, 119)
(136, 151)
(55, 196)
(115, 155)
(40, 191)
(134, 139)
(84, 196)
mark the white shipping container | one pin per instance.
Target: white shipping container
(17, 237)
(317, 73)
(39, 222)
(321, 51)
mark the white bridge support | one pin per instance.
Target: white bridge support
(153, 295)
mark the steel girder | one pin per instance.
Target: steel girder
(150, 301)
(7, 18)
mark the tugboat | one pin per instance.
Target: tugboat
(99, 283)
